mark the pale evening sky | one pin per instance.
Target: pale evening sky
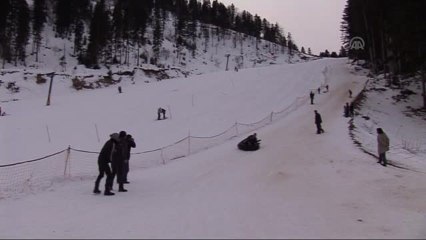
(312, 23)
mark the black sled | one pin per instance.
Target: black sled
(251, 143)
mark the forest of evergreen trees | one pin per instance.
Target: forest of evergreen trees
(102, 30)
(394, 32)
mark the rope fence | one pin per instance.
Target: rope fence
(71, 163)
(41, 173)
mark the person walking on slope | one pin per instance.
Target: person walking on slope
(382, 146)
(130, 143)
(318, 121)
(311, 95)
(104, 159)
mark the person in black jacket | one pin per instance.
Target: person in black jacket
(118, 161)
(161, 111)
(105, 157)
(129, 144)
(312, 95)
(318, 121)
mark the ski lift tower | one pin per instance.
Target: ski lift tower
(227, 60)
(51, 75)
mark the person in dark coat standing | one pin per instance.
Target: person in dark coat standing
(104, 159)
(161, 111)
(312, 95)
(118, 161)
(318, 121)
(350, 93)
(382, 146)
(130, 143)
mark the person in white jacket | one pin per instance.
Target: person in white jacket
(382, 146)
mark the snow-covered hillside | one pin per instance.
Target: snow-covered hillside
(227, 51)
(298, 185)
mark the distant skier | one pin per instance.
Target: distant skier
(326, 87)
(350, 93)
(318, 121)
(119, 89)
(382, 146)
(319, 90)
(251, 143)
(104, 160)
(312, 95)
(161, 111)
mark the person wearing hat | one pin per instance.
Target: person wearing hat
(105, 158)
(117, 163)
(128, 145)
(382, 146)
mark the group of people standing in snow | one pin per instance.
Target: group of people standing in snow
(382, 138)
(113, 161)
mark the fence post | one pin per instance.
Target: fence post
(97, 132)
(67, 158)
(162, 157)
(189, 142)
(48, 133)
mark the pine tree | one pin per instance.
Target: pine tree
(309, 51)
(158, 33)
(99, 32)
(63, 21)
(118, 26)
(38, 21)
(5, 25)
(290, 44)
(326, 53)
(303, 50)
(180, 26)
(78, 37)
(194, 12)
(342, 52)
(23, 30)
